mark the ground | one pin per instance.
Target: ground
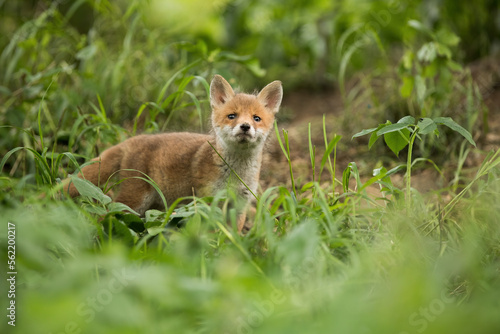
(299, 108)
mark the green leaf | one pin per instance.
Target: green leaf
(420, 88)
(118, 229)
(407, 59)
(454, 66)
(345, 179)
(378, 175)
(397, 140)
(87, 52)
(443, 50)
(426, 125)
(154, 230)
(97, 210)
(447, 37)
(374, 132)
(455, 127)
(329, 150)
(427, 52)
(306, 187)
(430, 71)
(254, 66)
(88, 189)
(374, 137)
(120, 207)
(392, 128)
(419, 26)
(364, 132)
(132, 221)
(154, 217)
(407, 86)
(396, 169)
(352, 169)
(7, 156)
(410, 120)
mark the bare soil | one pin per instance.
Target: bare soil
(302, 107)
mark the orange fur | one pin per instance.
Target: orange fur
(185, 163)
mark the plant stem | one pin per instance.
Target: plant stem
(408, 170)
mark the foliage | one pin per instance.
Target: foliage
(52, 71)
(314, 256)
(403, 133)
(325, 252)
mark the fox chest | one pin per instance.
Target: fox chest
(242, 178)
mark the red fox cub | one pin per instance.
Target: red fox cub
(183, 164)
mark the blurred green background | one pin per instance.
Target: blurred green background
(78, 76)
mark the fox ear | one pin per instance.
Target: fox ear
(220, 91)
(271, 96)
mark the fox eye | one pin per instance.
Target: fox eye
(256, 118)
(231, 116)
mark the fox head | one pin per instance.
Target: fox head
(243, 120)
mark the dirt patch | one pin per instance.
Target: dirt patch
(301, 108)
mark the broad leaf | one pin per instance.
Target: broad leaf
(116, 228)
(392, 128)
(88, 189)
(455, 127)
(120, 207)
(443, 50)
(454, 66)
(431, 70)
(132, 221)
(374, 136)
(364, 132)
(409, 120)
(154, 217)
(426, 125)
(447, 37)
(373, 139)
(397, 140)
(427, 52)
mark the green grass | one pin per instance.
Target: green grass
(325, 255)
(313, 262)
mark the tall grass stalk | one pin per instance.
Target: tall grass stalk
(286, 152)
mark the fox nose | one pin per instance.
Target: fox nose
(245, 127)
